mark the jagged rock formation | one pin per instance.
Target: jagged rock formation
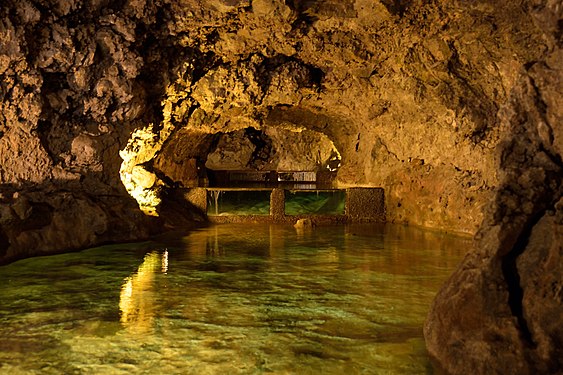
(416, 96)
(500, 313)
(408, 94)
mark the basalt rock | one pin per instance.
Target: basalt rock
(407, 93)
(47, 221)
(450, 106)
(501, 312)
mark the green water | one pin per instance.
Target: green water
(302, 202)
(238, 202)
(257, 202)
(230, 299)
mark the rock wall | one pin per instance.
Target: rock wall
(447, 105)
(49, 221)
(408, 93)
(501, 311)
(71, 93)
(273, 149)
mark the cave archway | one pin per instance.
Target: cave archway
(283, 139)
(248, 156)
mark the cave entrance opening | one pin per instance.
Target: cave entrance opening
(272, 157)
(245, 167)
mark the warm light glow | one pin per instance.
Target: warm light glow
(335, 160)
(141, 184)
(136, 301)
(145, 143)
(165, 262)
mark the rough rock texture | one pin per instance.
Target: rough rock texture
(502, 310)
(68, 103)
(275, 149)
(446, 104)
(407, 93)
(59, 221)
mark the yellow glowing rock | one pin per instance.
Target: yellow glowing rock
(146, 142)
(142, 177)
(140, 183)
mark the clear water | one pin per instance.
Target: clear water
(315, 202)
(257, 202)
(230, 299)
(238, 202)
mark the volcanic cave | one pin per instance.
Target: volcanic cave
(452, 108)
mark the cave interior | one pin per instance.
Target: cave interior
(114, 113)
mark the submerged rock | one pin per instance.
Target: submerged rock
(303, 224)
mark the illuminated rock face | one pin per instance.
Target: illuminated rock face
(450, 106)
(409, 108)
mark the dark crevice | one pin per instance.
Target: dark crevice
(263, 147)
(204, 62)
(556, 159)
(215, 138)
(267, 66)
(212, 37)
(41, 215)
(112, 107)
(44, 127)
(149, 166)
(530, 64)
(4, 243)
(158, 71)
(115, 6)
(482, 109)
(54, 81)
(317, 76)
(541, 105)
(305, 15)
(396, 7)
(191, 110)
(512, 278)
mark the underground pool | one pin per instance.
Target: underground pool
(230, 299)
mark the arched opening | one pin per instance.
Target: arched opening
(272, 156)
(248, 157)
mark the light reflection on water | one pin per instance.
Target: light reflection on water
(230, 299)
(136, 301)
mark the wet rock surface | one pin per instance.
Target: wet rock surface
(47, 221)
(447, 105)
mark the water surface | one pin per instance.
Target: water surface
(229, 299)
